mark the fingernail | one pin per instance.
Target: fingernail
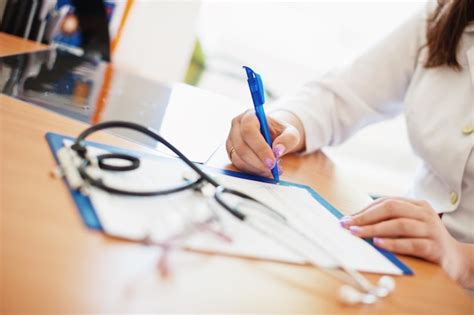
(355, 229)
(378, 241)
(270, 163)
(345, 221)
(278, 150)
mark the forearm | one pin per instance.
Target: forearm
(292, 119)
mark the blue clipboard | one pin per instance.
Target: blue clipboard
(90, 219)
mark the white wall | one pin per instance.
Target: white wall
(293, 41)
(158, 38)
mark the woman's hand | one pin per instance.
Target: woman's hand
(248, 150)
(412, 227)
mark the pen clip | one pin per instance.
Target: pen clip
(256, 86)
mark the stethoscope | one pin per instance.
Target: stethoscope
(267, 222)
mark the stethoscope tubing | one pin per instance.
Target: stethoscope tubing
(81, 150)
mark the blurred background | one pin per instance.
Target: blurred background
(205, 43)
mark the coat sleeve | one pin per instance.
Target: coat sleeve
(370, 89)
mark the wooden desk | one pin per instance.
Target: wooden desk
(51, 263)
(11, 45)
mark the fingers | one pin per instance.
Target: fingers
(402, 225)
(250, 135)
(386, 209)
(383, 199)
(248, 155)
(419, 247)
(244, 166)
(247, 159)
(250, 148)
(392, 228)
(286, 141)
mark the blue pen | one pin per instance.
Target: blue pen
(258, 96)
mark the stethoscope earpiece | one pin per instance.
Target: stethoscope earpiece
(385, 286)
(387, 282)
(351, 296)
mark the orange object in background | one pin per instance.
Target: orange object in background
(81, 92)
(117, 36)
(104, 92)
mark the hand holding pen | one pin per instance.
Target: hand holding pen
(255, 150)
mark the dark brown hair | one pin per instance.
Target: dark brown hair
(445, 27)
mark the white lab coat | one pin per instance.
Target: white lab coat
(438, 104)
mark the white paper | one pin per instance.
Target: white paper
(189, 121)
(160, 217)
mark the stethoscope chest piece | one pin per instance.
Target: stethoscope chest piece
(351, 296)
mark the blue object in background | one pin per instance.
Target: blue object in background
(69, 36)
(258, 96)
